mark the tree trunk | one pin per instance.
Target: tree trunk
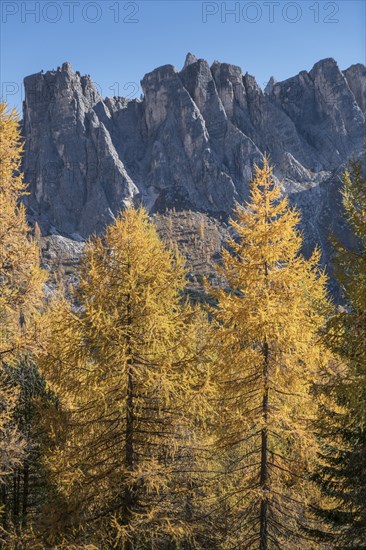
(264, 457)
(25, 492)
(16, 495)
(130, 420)
(4, 503)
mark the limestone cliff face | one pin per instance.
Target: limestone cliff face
(190, 142)
(77, 180)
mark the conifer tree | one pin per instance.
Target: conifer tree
(21, 288)
(131, 376)
(26, 488)
(268, 315)
(342, 473)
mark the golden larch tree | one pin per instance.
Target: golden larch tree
(268, 315)
(131, 374)
(21, 291)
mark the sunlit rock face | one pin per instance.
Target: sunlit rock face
(190, 142)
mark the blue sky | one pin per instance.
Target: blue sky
(118, 41)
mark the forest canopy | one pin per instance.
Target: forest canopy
(133, 416)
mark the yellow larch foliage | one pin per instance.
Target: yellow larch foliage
(21, 281)
(131, 373)
(268, 316)
(21, 289)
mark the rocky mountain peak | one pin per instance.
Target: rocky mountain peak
(356, 78)
(270, 85)
(67, 67)
(190, 142)
(190, 58)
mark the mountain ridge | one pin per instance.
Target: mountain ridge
(189, 143)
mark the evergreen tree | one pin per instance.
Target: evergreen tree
(342, 473)
(129, 369)
(268, 315)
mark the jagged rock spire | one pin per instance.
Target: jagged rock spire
(190, 58)
(269, 86)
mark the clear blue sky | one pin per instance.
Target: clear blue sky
(118, 41)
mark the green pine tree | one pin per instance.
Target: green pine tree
(343, 424)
